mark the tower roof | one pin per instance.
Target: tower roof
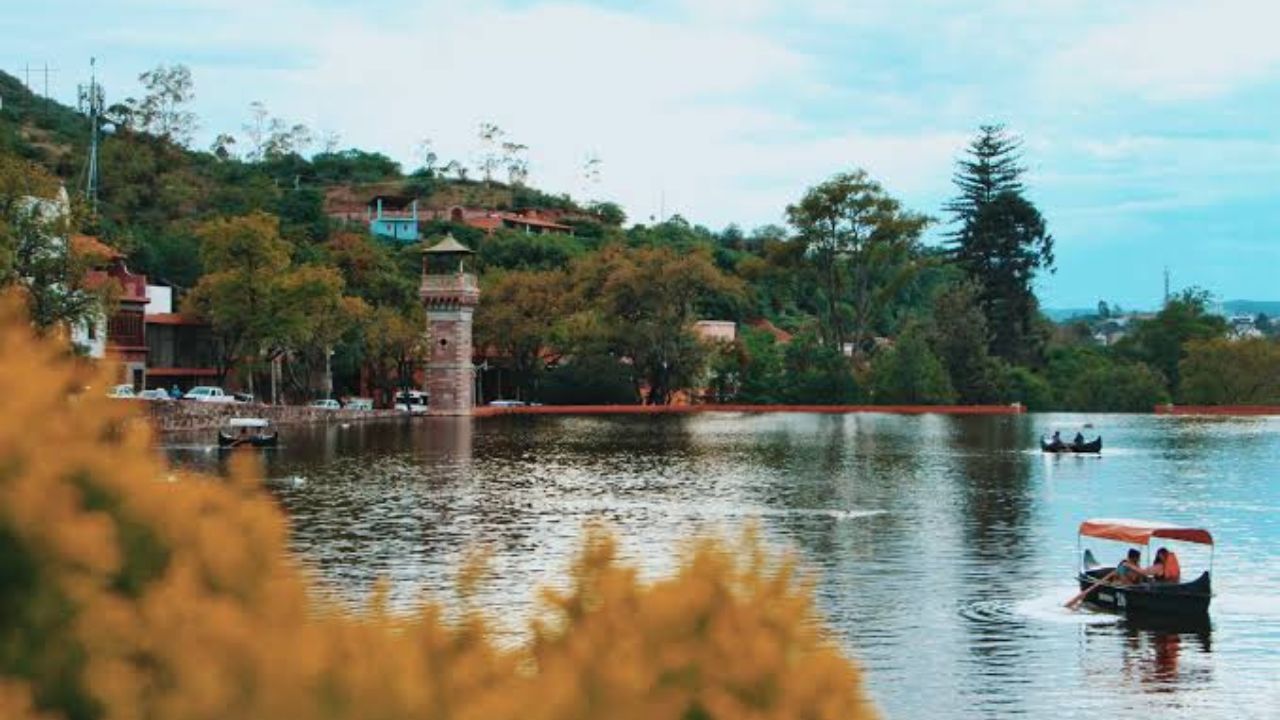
(449, 245)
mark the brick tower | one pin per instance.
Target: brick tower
(450, 294)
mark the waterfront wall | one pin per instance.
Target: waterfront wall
(1224, 410)
(180, 416)
(489, 411)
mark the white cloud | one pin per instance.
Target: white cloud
(1173, 51)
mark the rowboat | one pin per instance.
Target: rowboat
(1094, 446)
(1152, 599)
(248, 432)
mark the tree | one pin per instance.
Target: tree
(35, 254)
(244, 259)
(1001, 240)
(1090, 379)
(163, 110)
(395, 344)
(1225, 372)
(909, 373)
(517, 317)
(490, 158)
(648, 298)
(1161, 341)
(958, 334)
(863, 242)
(814, 373)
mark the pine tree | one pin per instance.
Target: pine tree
(1001, 240)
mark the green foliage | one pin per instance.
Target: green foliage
(816, 374)
(1225, 372)
(1090, 380)
(1161, 341)
(959, 336)
(909, 373)
(353, 166)
(863, 244)
(1001, 242)
(1025, 386)
(588, 379)
(35, 253)
(515, 250)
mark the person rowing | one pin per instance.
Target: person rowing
(1127, 572)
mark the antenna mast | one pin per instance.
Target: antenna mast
(91, 101)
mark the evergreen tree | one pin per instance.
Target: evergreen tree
(1001, 240)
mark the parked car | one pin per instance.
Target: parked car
(413, 402)
(121, 391)
(208, 393)
(507, 403)
(244, 397)
(359, 403)
(153, 394)
(326, 404)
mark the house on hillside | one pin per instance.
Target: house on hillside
(181, 350)
(532, 222)
(121, 337)
(394, 217)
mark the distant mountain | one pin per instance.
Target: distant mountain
(1251, 307)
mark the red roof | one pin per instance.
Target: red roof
(532, 221)
(782, 336)
(1140, 532)
(90, 246)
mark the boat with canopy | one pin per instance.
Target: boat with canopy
(1148, 598)
(248, 432)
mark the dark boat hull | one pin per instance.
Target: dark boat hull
(1150, 599)
(1093, 447)
(228, 441)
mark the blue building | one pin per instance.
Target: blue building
(393, 217)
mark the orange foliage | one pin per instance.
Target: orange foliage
(127, 591)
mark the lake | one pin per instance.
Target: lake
(943, 547)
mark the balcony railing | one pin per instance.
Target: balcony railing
(459, 288)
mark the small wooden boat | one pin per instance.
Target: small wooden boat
(1093, 446)
(1149, 599)
(248, 432)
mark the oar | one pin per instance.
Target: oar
(1075, 601)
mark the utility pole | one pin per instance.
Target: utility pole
(1166, 284)
(91, 101)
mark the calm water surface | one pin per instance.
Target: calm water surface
(943, 547)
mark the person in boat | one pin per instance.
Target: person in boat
(1078, 440)
(1165, 568)
(1128, 571)
(244, 437)
(1055, 442)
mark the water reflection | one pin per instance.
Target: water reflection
(943, 547)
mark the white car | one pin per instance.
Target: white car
(209, 394)
(326, 404)
(359, 403)
(122, 391)
(413, 402)
(153, 394)
(507, 403)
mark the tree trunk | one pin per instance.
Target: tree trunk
(328, 373)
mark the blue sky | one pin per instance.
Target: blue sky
(1150, 127)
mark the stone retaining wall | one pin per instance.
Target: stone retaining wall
(183, 416)
(490, 411)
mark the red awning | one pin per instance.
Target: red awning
(1140, 532)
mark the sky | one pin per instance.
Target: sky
(1149, 128)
